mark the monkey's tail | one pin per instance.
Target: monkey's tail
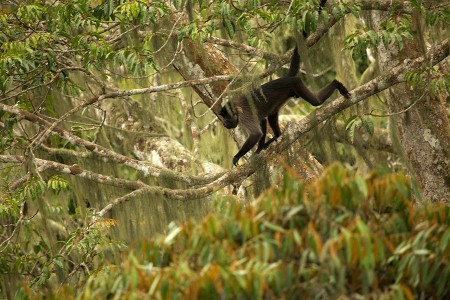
(295, 63)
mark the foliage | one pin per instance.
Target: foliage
(55, 54)
(35, 37)
(258, 19)
(33, 255)
(437, 82)
(343, 235)
(434, 17)
(356, 122)
(392, 31)
(38, 40)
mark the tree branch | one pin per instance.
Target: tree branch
(242, 47)
(314, 37)
(142, 166)
(75, 170)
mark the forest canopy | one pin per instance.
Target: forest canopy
(110, 132)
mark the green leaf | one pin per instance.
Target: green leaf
(134, 279)
(325, 16)
(373, 37)
(362, 186)
(36, 248)
(251, 4)
(444, 243)
(367, 122)
(363, 229)
(350, 121)
(58, 262)
(229, 27)
(351, 132)
(273, 227)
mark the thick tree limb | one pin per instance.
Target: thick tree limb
(45, 165)
(242, 47)
(142, 166)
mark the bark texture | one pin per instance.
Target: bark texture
(422, 125)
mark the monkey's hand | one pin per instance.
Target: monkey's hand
(235, 161)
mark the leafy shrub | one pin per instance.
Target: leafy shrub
(341, 236)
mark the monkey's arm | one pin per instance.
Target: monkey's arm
(251, 141)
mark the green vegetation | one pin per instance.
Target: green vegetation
(342, 235)
(107, 135)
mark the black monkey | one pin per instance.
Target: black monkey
(253, 111)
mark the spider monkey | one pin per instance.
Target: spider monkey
(263, 104)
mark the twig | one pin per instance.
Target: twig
(399, 112)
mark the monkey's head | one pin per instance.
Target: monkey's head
(229, 116)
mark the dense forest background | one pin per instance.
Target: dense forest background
(117, 177)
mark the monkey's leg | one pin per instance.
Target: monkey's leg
(326, 92)
(302, 91)
(273, 122)
(262, 140)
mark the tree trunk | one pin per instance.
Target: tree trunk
(419, 120)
